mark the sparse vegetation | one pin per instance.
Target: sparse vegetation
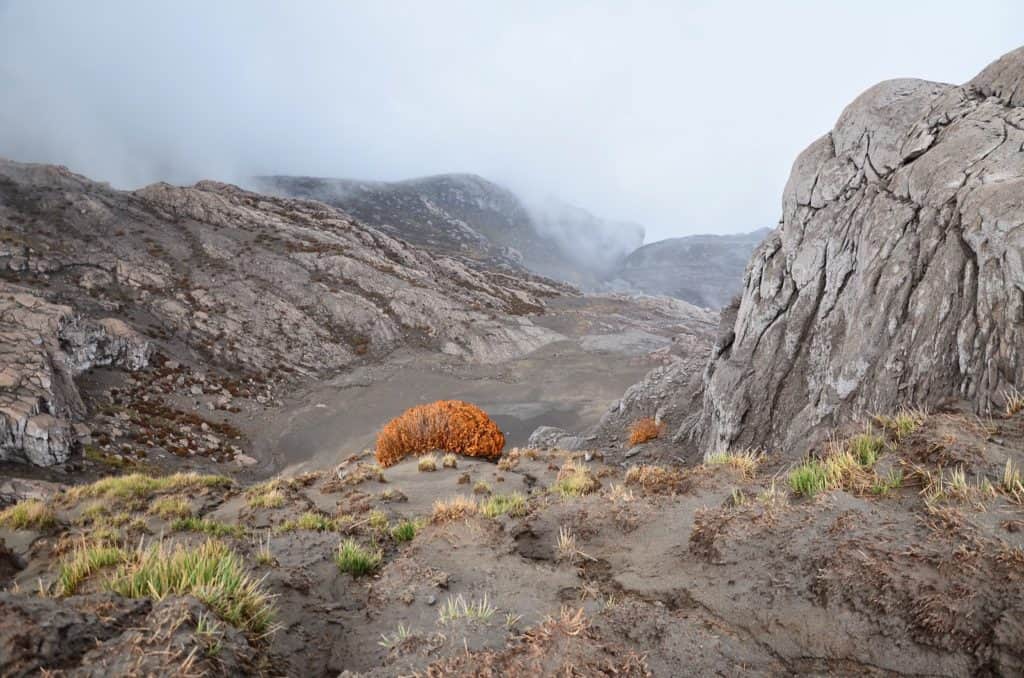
(501, 504)
(211, 572)
(396, 638)
(481, 487)
(902, 424)
(30, 514)
(567, 548)
(87, 559)
(808, 479)
(656, 479)
(265, 495)
(140, 486)
(453, 508)
(356, 559)
(1014, 402)
(378, 520)
(458, 608)
(170, 507)
(644, 430)
(206, 526)
(405, 530)
(450, 425)
(450, 461)
(866, 447)
(743, 461)
(575, 480)
(427, 462)
(893, 480)
(310, 521)
(263, 554)
(1012, 478)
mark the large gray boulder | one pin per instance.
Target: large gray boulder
(896, 276)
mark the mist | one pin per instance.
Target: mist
(682, 117)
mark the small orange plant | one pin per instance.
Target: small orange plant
(449, 425)
(644, 430)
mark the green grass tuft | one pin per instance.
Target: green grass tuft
(205, 526)
(405, 530)
(356, 559)
(85, 561)
(500, 504)
(808, 479)
(30, 514)
(211, 572)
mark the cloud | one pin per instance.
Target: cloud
(684, 117)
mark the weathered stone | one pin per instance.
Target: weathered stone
(896, 276)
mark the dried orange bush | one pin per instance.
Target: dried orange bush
(643, 430)
(450, 425)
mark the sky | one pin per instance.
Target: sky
(682, 116)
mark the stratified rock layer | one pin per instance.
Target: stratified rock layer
(897, 276)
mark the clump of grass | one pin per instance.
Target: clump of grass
(474, 610)
(426, 463)
(265, 495)
(378, 520)
(399, 636)
(263, 554)
(481, 487)
(904, 423)
(893, 480)
(507, 463)
(575, 480)
(771, 495)
(501, 504)
(809, 478)
(644, 430)
(657, 479)
(405, 530)
(866, 447)
(94, 512)
(743, 461)
(620, 493)
(30, 514)
(211, 572)
(170, 507)
(87, 559)
(450, 461)
(453, 508)
(356, 559)
(1014, 402)
(567, 548)
(206, 526)
(310, 521)
(737, 497)
(1012, 478)
(140, 486)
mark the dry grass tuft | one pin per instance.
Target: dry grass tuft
(30, 514)
(902, 424)
(450, 425)
(450, 461)
(141, 486)
(644, 430)
(453, 508)
(87, 559)
(170, 507)
(743, 461)
(655, 479)
(427, 462)
(1014, 402)
(265, 495)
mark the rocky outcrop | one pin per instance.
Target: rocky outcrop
(706, 270)
(468, 216)
(43, 347)
(269, 289)
(896, 276)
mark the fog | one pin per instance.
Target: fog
(683, 117)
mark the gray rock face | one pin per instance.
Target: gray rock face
(466, 215)
(897, 275)
(43, 347)
(706, 270)
(268, 287)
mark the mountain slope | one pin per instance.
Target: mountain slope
(466, 215)
(273, 289)
(706, 270)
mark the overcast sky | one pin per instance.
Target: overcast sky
(683, 116)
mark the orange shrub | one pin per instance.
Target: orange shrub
(643, 430)
(450, 425)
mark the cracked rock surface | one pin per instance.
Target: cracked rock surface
(896, 276)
